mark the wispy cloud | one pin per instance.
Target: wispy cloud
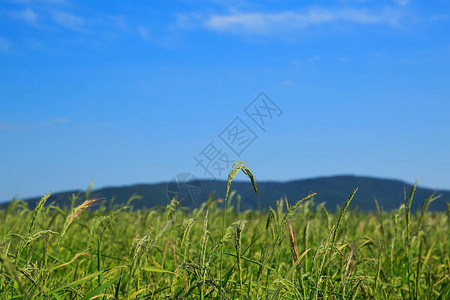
(143, 32)
(46, 124)
(68, 20)
(38, 1)
(270, 22)
(45, 14)
(26, 15)
(6, 126)
(287, 83)
(56, 121)
(55, 15)
(118, 21)
(313, 59)
(402, 2)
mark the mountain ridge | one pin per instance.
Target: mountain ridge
(333, 190)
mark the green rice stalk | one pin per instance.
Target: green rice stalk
(408, 238)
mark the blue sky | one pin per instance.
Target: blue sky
(130, 92)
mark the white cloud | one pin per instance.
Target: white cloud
(188, 20)
(68, 20)
(265, 23)
(26, 15)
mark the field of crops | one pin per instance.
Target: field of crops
(297, 250)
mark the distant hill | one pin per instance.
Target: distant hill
(332, 190)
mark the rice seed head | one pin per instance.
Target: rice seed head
(76, 211)
(36, 212)
(293, 242)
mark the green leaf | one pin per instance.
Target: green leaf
(100, 288)
(155, 269)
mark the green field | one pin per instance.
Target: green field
(297, 250)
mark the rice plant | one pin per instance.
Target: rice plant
(294, 250)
